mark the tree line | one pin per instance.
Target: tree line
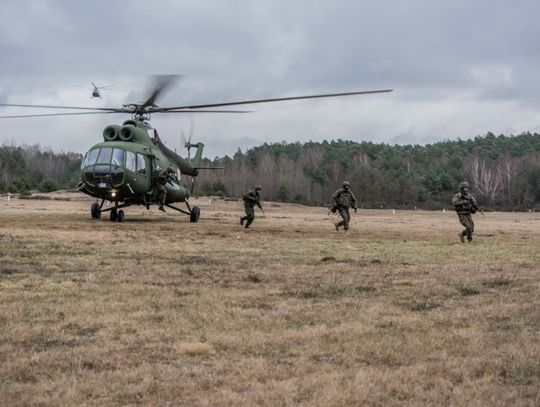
(504, 171)
(26, 168)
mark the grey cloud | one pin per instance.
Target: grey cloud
(459, 68)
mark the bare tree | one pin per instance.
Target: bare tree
(266, 175)
(486, 180)
(507, 171)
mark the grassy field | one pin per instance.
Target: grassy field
(158, 311)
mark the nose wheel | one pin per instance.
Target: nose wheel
(116, 215)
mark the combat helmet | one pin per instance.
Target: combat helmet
(346, 184)
(464, 184)
(257, 188)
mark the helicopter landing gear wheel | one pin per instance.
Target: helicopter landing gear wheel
(95, 211)
(114, 215)
(195, 213)
(120, 216)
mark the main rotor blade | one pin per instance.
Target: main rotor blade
(247, 102)
(162, 82)
(54, 114)
(200, 111)
(105, 109)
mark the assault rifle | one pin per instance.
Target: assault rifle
(475, 207)
(333, 208)
(260, 207)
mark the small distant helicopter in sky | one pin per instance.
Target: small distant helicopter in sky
(96, 90)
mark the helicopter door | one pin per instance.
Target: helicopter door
(142, 168)
(137, 164)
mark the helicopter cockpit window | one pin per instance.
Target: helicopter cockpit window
(141, 165)
(131, 161)
(90, 158)
(118, 157)
(104, 156)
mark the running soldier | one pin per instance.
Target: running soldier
(344, 199)
(465, 205)
(251, 199)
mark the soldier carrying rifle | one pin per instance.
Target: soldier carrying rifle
(465, 205)
(343, 199)
(161, 177)
(251, 199)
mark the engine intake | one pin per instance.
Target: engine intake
(126, 133)
(111, 133)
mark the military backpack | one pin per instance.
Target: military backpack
(345, 199)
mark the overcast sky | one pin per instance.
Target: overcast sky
(459, 68)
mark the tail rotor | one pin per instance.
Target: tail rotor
(186, 142)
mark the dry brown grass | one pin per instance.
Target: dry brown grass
(158, 311)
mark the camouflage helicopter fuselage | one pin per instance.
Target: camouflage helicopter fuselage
(121, 168)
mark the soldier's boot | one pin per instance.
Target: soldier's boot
(461, 237)
(249, 222)
(242, 220)
(161, 208)
(469, 235)
(337, 226)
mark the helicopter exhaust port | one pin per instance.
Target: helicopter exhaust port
(111, 133)
(126, 133)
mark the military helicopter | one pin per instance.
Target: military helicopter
(122, 168)
(96, 91)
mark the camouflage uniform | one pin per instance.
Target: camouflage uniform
(344, 199)
(160, 179)
(465, 205)
(251, 199)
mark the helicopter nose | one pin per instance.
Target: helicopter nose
(104, 176)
